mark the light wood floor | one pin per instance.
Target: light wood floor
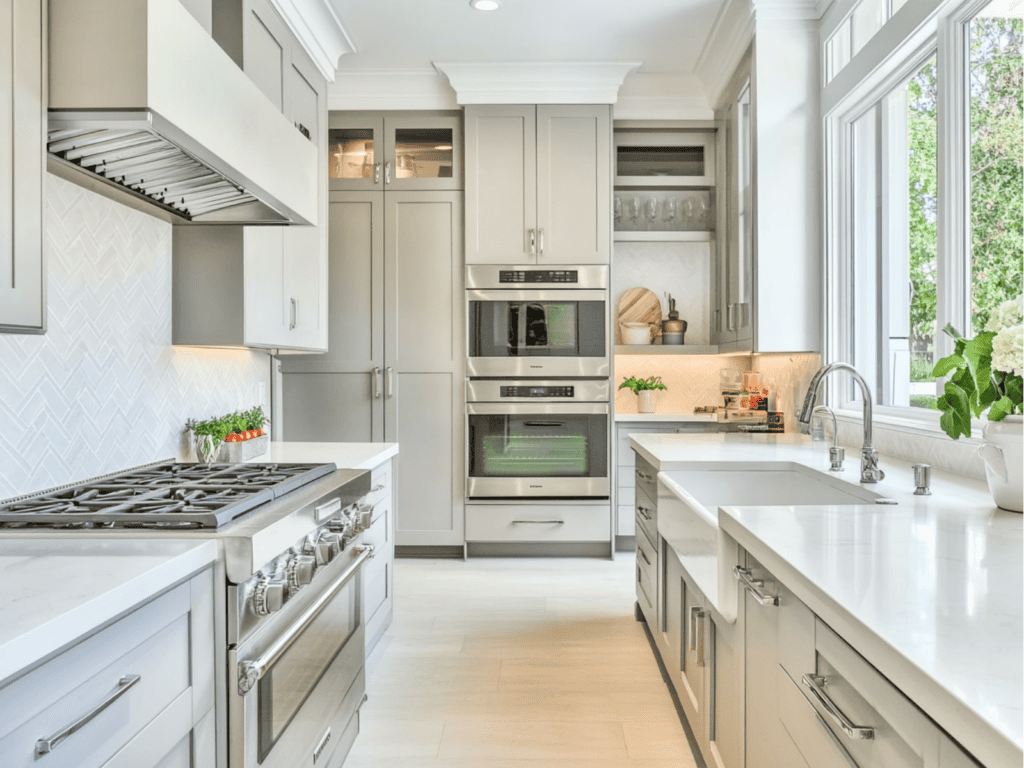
(517, 663)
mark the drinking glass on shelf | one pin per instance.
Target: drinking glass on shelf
(618, 210)
(703, 214)
(652, 209)
(634, 209)
(686, 212)
(669, 210)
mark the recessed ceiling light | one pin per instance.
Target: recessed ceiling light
(485, 5)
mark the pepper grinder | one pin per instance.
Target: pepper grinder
(673, 329)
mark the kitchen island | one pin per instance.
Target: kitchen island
(927, 591)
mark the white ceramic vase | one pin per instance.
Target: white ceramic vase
(1003, 451)
(647, 400)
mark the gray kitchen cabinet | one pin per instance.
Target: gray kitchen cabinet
(263, 287)
(23, 76)
(378, 574)
(394, 369)
(396, 151)
(160, 654)
(538, 184)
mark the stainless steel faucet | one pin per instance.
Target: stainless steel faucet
(869, 471)
(835, 453)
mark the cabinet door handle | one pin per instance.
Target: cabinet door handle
(294, 314)
(540, 237)
(645, 513)
(753, 586)
(816, 685)
(387, 172)
(700, 638)
(643, 555)
(389, 381)
(376, 383)
(376, 173)
(644, 476)
(538, 522)
(729, 322)
(45, 746)
(533, 241)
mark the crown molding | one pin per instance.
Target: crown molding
(662, 96)
(384, 89)
(730, 37)
(540, 82)
(790, 10)
(319, 30)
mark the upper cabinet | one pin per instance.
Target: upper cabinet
(538, 184)
(660, 158)
(22, 165)
(371, 152)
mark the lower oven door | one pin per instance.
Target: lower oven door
(537, 450)
(296, 684)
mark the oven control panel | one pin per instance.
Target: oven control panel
(539, 276)
(532, 391)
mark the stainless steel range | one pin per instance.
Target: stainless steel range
(289, 623)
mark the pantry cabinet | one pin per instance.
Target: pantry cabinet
(538, 184)
(22, 166)
(395, 366)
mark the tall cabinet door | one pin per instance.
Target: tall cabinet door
(573, 184)
(22, 162)
(424, 390)
(501, 184)
(340, 396)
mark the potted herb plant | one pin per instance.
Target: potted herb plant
(984, 376)
(230, 438)
(645, 390)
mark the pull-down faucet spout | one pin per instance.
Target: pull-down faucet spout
(869, 471)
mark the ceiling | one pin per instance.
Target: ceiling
(666, 35)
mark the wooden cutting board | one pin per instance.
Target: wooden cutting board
(638, 305)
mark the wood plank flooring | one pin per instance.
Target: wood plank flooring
(517, 663)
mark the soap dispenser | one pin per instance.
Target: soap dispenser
(673, 329)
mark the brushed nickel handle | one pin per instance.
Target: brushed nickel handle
(730, 323)
(389, 381)
(376, 173)
(378, 487)
(645, 513)
(643, 555)
(294, 314)
(540, 234)
(47, 745)
(753, 586)
(387, 172)
(533, 241)
(539, 522)
(644, 476)
(816, 685)
(251, 672)
(376, 383)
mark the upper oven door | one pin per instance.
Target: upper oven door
(547, 332)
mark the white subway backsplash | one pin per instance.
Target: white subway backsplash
(104, 389)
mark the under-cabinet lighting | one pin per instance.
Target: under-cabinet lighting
(485, 5)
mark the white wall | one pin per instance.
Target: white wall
(103, 389)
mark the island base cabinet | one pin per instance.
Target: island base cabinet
(378, 574)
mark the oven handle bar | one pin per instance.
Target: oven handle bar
(251, 672)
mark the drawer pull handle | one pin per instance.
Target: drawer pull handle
(645, 513)
(324, 511)
(816, 685)
(644, 476)
(643, 555)
(753, 586)
(378, 487)
(45, 746)
(540, 522)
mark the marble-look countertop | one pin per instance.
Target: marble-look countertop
(928, 591)
(58, 589)
(344, 455)
(656, 418)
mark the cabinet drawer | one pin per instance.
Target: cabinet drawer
(375, 593)
(646, 584)
(152, 643)
(380, 484)
(646, 477)
(816, 743)
(539, 522)
(379, 533)
(841, 684)
(647, 516)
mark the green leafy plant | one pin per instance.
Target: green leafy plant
(640, 385)
(220, 427)
(255, 418)
(983, 374)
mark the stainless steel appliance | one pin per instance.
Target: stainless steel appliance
(537, 321)
(291, 631)
(545, 438)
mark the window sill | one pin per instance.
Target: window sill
(924, 425)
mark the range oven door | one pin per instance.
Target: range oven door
(295, 684)
(547, 332)
(557, 450)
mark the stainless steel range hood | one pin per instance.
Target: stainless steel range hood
(143, 100)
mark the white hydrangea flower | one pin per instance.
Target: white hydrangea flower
(1006, 315)
(1008, 350)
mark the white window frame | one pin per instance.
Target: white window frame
(921, 29)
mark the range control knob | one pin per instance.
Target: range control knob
(268, 596)
(327, 548)
(300, 571)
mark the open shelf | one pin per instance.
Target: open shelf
(666, 349)
(665, 236)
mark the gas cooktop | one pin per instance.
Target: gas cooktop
(165, 495)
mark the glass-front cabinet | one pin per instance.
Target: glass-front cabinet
(371, 151)
(649, 158)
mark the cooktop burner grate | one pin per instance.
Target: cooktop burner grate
(167, 496)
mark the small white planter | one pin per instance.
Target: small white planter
(1003, 452)
(232, 453)
(647, 400)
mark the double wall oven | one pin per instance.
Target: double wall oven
(538, 396)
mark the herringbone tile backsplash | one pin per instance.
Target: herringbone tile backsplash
(104, 389)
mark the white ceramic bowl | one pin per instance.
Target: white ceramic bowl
(636, 333)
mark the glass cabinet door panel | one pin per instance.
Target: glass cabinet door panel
(351, 153)
(660, 161)
(424, 153)
(664, 158)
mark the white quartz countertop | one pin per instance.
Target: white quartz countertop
(928, 591)
(344, 455)
(57, 590)
(642, 418)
